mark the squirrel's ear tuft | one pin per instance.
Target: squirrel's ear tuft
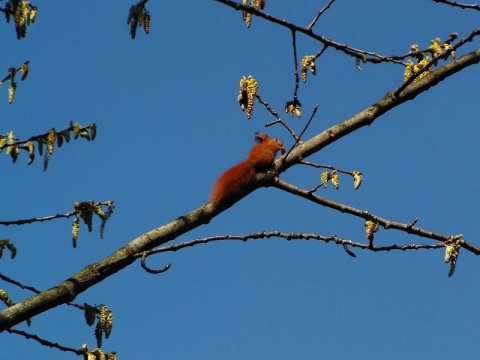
(260, 137)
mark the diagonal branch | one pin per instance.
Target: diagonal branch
(125, 256)
(385, 223)
(357, 53)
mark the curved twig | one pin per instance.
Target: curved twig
(150, 270)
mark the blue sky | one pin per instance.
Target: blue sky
(169, 125)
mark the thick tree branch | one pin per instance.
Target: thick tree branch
(96, 272)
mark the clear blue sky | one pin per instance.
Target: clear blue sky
(169, 124)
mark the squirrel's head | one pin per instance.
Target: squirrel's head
(274, 144)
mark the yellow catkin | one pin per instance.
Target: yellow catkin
(335, 181)
(252, 87)
(357, 179)
(370, 229)
(11, 91)
(75, 230)
(435, 47)
(146, 22)
(306, 63)
(324, 177)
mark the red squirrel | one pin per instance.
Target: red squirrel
(260, 159)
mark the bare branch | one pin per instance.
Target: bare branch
(49, 217)
(357, 53)
(279, 119)
(387, 224)
(460, 5)
(19, 284)
(45, 342)
(41, 219)
(320, 166)
(295, 61)
(312, 24)
(290, 236)
(299, 138)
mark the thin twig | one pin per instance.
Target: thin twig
(19, 284)
(289, 236)
(295, 61)
(299, 138)
(321, 51)
(50, 217)
(320, 166)
(45, 342)
(41, 219)
(10, 75)
(460, 5)
(150, 270)
(274, 113)
(312, 24)
(43, 136)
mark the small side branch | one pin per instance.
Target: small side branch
(287, 236)
(25, 64)
(45, 342)
(460, 5)
(275, 114)
(40, 219)
(150, 270)
(299, 138)
(357, 53)
(295, 61)
(320, 166)
(312, 24)
(19, 284)
(53, 217)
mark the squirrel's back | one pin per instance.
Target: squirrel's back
(235, 179)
